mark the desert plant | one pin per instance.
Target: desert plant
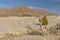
(58, 26)
(36, 32)
(29, 28)
(44, 21)
(27, 15)
(40, 23)
(53, 31)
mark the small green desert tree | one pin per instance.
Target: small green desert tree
(40, 23)
(44, 21)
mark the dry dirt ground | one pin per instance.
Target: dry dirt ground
(31, 37)
(8, 24)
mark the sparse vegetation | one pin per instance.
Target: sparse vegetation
(58, 27)
(55, 30)
(40, 22)
(31, 32)
(34, 31)
(27, 15)
(44, 21)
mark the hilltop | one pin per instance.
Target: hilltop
(20, 10)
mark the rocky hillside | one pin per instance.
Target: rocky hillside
(21, 10)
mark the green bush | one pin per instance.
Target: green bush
(27, 15)
(44, 21)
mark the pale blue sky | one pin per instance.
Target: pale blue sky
(50, 5)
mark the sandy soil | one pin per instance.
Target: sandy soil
(8, 24)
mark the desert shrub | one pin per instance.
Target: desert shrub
(44, 20)
(55, 29)
(33, 31)
(58, 26)
(27, 15)
(52, 31)
(29, 29)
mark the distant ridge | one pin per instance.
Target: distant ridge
(20, 10)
